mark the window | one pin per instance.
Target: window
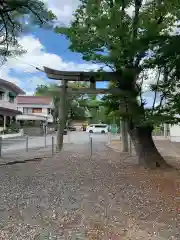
(100, 126)
(49, 111)
(37, 110)
(1, 95)
(12, 97)
(25, 110)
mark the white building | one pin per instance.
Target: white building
(174, 133)
(35, 108)
(8, 102)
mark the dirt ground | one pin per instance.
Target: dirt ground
(74, 196)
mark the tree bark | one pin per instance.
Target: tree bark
(145, 147)
(124, 135)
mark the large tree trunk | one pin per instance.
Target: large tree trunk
(145, 148)
(124, 135)
(141, 136)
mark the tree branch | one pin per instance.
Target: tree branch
(123, 5)
(156, 90)
(139, 57)
(161, 101)
(163, 96)
(35, 14)
(140, 89)
(6, 33)
(138, 4)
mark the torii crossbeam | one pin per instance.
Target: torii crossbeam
(80, 76)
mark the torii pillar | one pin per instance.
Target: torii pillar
(62, 113)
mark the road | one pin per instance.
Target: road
(14, 144)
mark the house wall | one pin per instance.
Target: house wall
(30, 110)
(43, 116)
(175, 133)
(5, 101)
(27, 116)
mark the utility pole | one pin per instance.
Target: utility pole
(61, 115)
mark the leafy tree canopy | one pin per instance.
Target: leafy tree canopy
(17, 17)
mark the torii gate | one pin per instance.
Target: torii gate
(66, 76)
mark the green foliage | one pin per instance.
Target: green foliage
(75, 103)
(17, 17)
(42, 90)
(104, 32)
(12, 128)
(80, 106)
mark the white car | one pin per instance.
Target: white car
(97, 128)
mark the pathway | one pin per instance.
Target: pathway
(14, 144)
(96, 198)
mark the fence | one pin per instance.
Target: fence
(27, 144)
(31, 146)
(117, 138)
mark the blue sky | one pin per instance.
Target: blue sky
(58, 44)
(45, 48)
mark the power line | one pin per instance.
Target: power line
(41, 70)
(29, 64)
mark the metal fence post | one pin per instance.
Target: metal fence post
(26, 143)
(68, 133)
(45, 139)
(52, 146)
(109, 138)
(91, 145)
(0, 146)
(130, 146)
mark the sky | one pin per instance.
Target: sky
(46, 48)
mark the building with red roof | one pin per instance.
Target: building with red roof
(35, 108)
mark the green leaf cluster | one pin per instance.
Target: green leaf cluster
(131, 43)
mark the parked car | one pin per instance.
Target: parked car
(97, 128)
(70, 128)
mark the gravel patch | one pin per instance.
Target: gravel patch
(73, 196)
